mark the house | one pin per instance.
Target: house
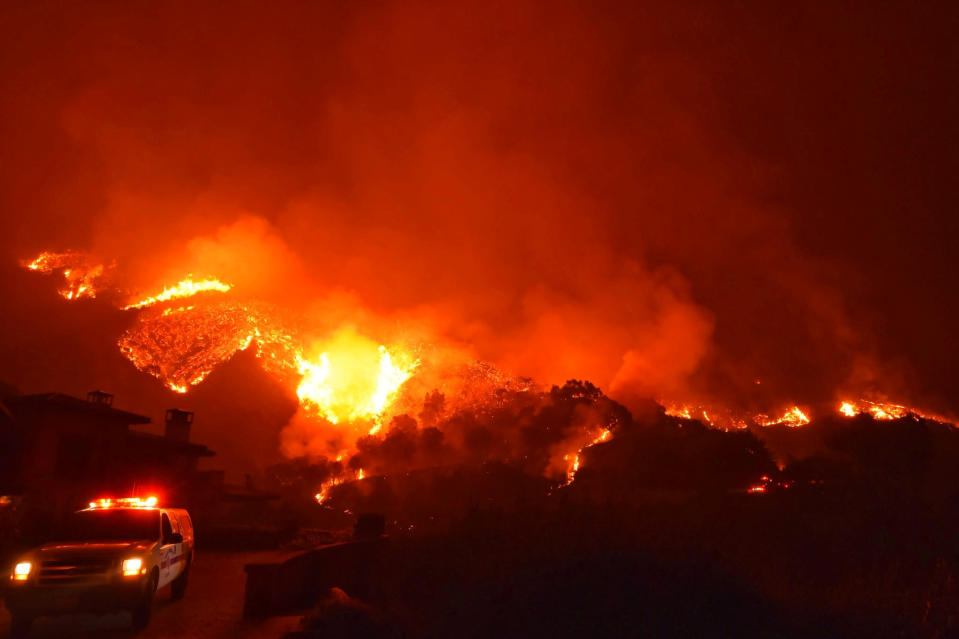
(67, 450)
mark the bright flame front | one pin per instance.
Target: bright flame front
(352, 379)
(187, 287)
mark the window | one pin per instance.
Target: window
(109, 525)
(186, 526)
(167, 528)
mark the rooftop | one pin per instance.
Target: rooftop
(159, 441)
(33, 405)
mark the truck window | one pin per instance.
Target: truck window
(188, 524)
(166, 527)
(175, 522)
(109, 525)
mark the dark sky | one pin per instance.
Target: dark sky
(674, 199)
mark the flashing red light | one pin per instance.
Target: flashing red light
(124, 502)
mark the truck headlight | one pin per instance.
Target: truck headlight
(132, 567)
(21, 572)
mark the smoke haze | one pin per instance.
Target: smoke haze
(710, 203)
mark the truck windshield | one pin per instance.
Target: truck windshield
(111, 525)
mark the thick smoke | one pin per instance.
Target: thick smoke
(594, 192)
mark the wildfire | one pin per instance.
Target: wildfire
(344, 379)
(879, 410)
(185, 288)
(885, 410)
(339, 384)
(79, 271)
(794, 417)
(324, 492)
(575, 460)
(848, 409)
(181, 346)
(351, 380)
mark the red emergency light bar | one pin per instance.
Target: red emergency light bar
(124, 502)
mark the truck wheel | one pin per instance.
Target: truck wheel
(20, 626)
(141, 612)
(178, 587)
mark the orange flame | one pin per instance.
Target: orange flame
(352, 380)
(182, 346)
(79, 271)
(885, 411)
(879, 410)
(323, 493)
(683, 412)
(794, 417)
(575, 458)
(184, 288)
(347, 379)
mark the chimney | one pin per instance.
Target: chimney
(178, 425)
(99, 397)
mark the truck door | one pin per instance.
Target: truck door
(170, 552)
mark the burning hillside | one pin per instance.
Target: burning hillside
(588, 249)
(359, 398)
(81, 273)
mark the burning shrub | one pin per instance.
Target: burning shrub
(536, 432)
(525, 445)
(664, 453)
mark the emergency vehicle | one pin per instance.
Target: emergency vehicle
(111, 556)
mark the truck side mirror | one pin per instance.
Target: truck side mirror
(175, 538)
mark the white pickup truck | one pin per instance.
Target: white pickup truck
(111, 556)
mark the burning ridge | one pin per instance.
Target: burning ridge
(370, 408)
(187, 287)
(447, 457)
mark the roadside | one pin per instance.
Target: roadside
(212, 608)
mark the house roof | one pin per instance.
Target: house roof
(159, 441)
(25, 406)
(233, 492)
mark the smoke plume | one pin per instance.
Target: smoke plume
(631, 195)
